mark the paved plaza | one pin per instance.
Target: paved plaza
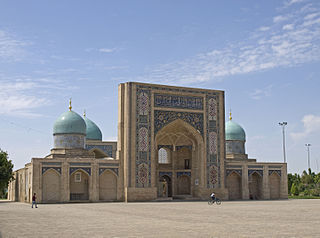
(284, 218)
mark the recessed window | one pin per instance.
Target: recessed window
(163, 156)
(77, 177)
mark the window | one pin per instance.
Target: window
(163, 157)
(77, 177)
(186, 164)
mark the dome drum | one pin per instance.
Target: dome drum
(235, 147)
(69, 141)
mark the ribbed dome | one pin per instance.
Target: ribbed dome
(69, 123)
(234, 131)
(93, 131)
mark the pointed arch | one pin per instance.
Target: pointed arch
(108, 185)
(51, 182)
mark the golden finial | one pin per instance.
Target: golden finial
(70, 107)
(84, 113)
(230, 116)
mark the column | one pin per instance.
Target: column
(265, 184)
(245, 182)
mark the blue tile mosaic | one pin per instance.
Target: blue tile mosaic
(115, 170)
(230, 171)
(87, 170)
(162, 118)
(44, 169)
(105, 148)
(177, 101)
(183, 173)
(275, 171)
(169, 174)
(251, 171)
(179, 147)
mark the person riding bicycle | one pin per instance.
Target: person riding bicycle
(213, 196)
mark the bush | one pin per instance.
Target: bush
(294, 190)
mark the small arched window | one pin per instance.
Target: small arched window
(163, 156)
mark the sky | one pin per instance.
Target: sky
(265, 55)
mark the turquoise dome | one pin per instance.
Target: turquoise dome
(93, 131)
(69, 123)
(234, 131)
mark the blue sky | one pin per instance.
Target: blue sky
(265, 55)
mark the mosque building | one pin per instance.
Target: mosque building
(173, 142)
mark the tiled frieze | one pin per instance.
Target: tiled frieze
(169, 174)
(86, 169)
(275, 171)
(230, 171)
(105, 148)
(109, 164)
(162, 118)
(183, 173)
(178, 101)
(51, 163)
(179, 147)
(258, 171)
(58, 169)
(143, 137)
(79, 164)
(115, 170)
(212, 140)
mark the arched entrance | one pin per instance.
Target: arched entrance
(183, 185)
(79, 185)
(107, 186)
(178, 153)
(234, 186)
(255, 186)
(51, 186)
(165, 186)
(274, 184)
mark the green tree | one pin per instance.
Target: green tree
(6, 173)
(294, 190)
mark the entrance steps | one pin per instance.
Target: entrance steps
(186, 198)
(177, 198)
(163, 199)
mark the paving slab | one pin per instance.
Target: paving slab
(281, 218)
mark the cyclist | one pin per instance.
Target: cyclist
(213, 196)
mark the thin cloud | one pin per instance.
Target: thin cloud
(291, 2)
(17, 96)
(311, 124)
(288, 27)
(260, 93)
(283, 45)
(11, 49)
(107, 50)
(280, 18)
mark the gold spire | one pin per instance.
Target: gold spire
(70, 107)
(84, 113)
(230, 116)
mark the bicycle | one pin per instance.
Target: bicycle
(216, 200)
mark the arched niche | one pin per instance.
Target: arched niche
(51, 181)
(234, 186)
(274, 184)
(108, 185)
(79, 185)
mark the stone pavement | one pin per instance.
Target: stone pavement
(284, 218)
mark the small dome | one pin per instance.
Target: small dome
(93, 131)
(234, 131)
(69, 123)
